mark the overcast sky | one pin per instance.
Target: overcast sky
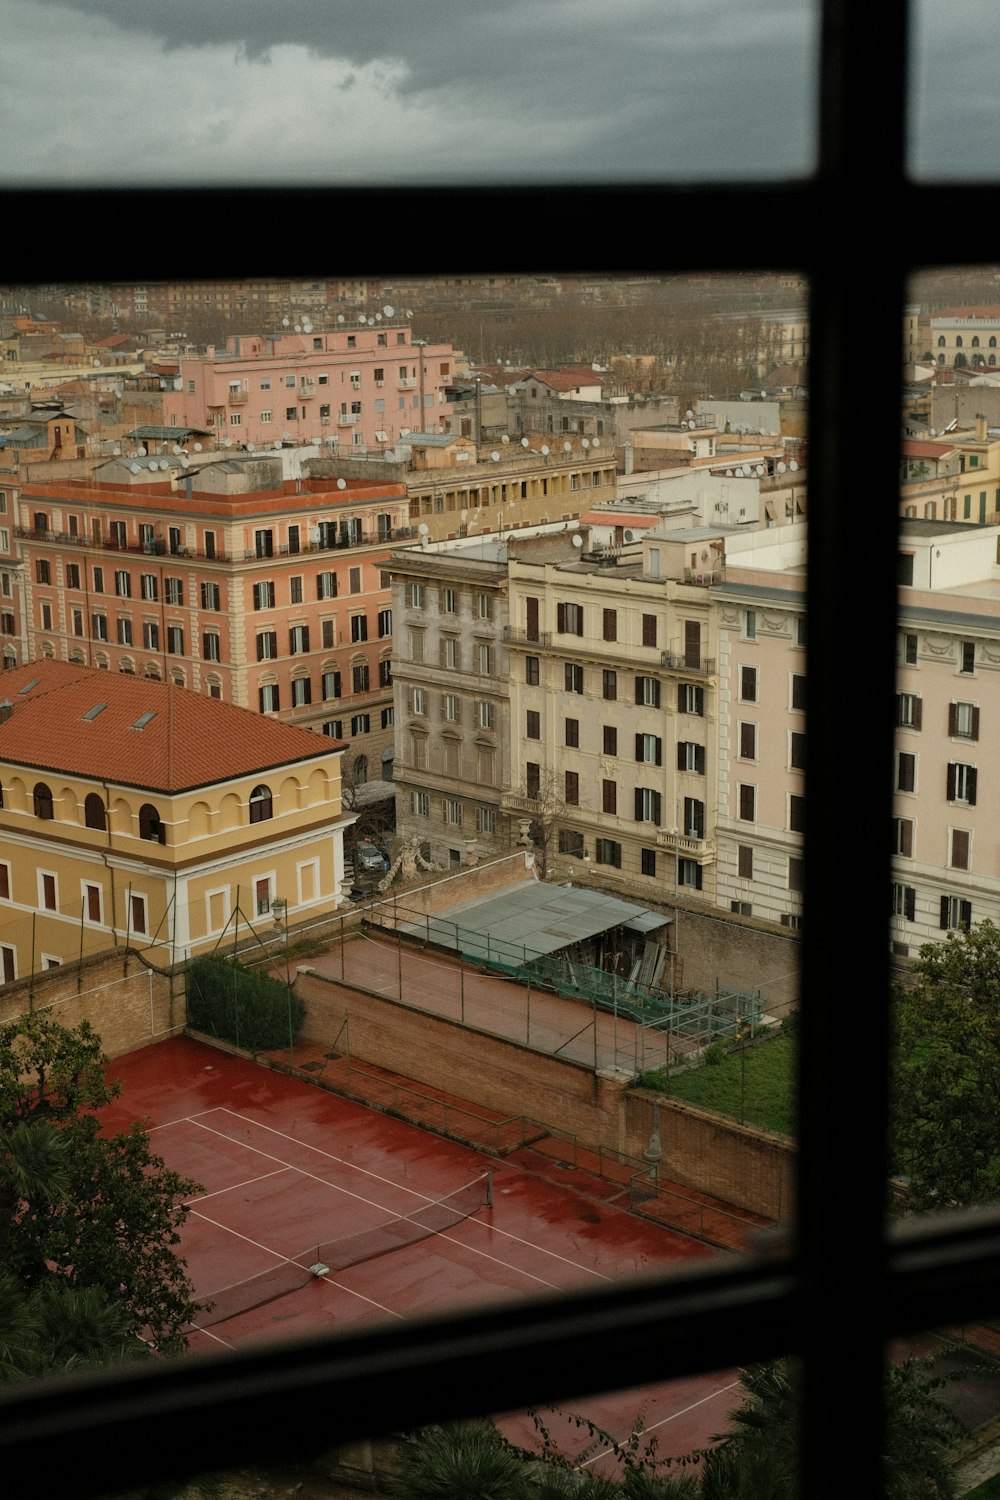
(307, 91)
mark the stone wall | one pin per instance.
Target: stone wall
(128, 1003)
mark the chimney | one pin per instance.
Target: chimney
(980, 427)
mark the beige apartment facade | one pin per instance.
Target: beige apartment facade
(136, 814)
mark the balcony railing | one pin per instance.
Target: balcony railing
(517, 802)
(689, 664)
(533, 640)
(704, 577)
(237, 397)
(686, 844)
(157, 548)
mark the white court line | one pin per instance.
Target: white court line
(232, 1187)
(282, 1260)
(389, 1182)
(672, 1418)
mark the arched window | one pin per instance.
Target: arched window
(975, 341)
(941, 342)
(958, 342)
(42, 800)
(150, 826)
(960, 361)
(41, 522)
(260, 804)
(93, 811)
(360, 769)
(992, 359)
(993, 341)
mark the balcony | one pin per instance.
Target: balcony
(348, 418)
(405, 383)
(705, 577)
(517, 802)
(685, 845)
(237, 397)
(158, 548)
(307, 388)
(537, 641)
(689, 664)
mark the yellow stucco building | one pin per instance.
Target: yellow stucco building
(138, 813)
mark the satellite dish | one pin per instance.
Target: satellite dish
(409, 312)
(567, 447)
(142, 452)
(781, 466)
(153, 465)
(136, 468)
(277, 442)
(197, 447)
(340, 317)
(545, 449)
(184, 460)
(342, 484)
(729, 473)
(572, 525)
(524, 442)
(689, 412)
(596, 443)
(578, 541)
(586, 442)
(760, 470)
(495, 456)
(177, 448)
(505, 438)
(251, 447)
(362, 318)
(298, 328)
(389, 310)
(629, 536)
(793, 465)
(307, 327)
(284, 322)
(691, 424)
(378, 317)
(423, 528)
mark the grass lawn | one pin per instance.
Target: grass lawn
(754, 1085)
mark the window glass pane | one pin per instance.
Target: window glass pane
(714, 91)
(955, 111)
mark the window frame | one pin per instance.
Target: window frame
(932, 1273)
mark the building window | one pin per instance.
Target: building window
(906, 771)
(798, 691)
(747, 803)
(648, 805)
(148, 586)
(211, 646)
(484, 606)
(904, 901)
(359, 627)
(263, 541)
(452, 708)
(748, 742)
(647, 860)
(902, 837)
(93, 811)
(744, 861)
(137, 913)
(961, 783)
(609, 685)
(99, 627)
(211, 596)
(608, 852)
(301, 691)
(750, 624)
(72, 576)
(123, 583)
(691, 757)
(450, 653)
(267, 645)
(418, 700)
(571, 789)
(610, 625)
(150, 826)
(173, 590)
(797, 751)
(649, 630)
(532, 778)
(689, 873)
(326, 585)
(453, 811)
(485, 658)
(909, 711)
(797, 814)
(573, 675)
(532, 671)
(908, 648)
(269, 698)
(571, 732)
(609, 739)
(690, 699)
(485, 714)
(609, 796)
(298, 639)
(360, 681)
(647, 691)
(420, 804)
(330, 682)
(263, 594)
(415, 595)
(175, 640)
(261, 804)
(963, 721)
(649, 749)
(384, 623)
(955, 912)
(385, 672)
(796, 874)
(151, 635)
(42, 801)
(43, 572)
(533, 725)
(569, 619)
(48, 898)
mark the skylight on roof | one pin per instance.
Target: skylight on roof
(144, 719)
(29, 685)
(92, 713)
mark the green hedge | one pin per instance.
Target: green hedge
(252, 1010)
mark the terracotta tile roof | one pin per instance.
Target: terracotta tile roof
(191, 740)
(921, 447)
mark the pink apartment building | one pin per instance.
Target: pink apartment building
(270, 598)
(361, 386)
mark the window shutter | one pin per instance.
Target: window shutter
(971, 778)
(659, 751)
(638, 804)
(899, 710)
(697, 877)
(561, 617)
(965, 909)
(918, 713)
(638, 747)
(944, 913)
(699, 759)
(657, 809)
(975, 724)
(951, 782)
(910, 904)
(681, 754)
(906, 837)
(680, 697)
(952, 719)
(638, 690)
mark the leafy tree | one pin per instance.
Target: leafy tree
(88, 1221)
(757, 1458)
(946, 1082)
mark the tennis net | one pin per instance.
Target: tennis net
(277, 1281)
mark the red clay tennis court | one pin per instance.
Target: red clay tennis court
(292, 1171)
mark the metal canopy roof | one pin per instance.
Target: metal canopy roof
(540, 918)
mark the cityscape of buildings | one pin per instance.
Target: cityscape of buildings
(550, 608)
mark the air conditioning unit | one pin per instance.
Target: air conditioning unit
(325, 421)
(629, 536)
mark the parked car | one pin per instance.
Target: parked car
(369, 859)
